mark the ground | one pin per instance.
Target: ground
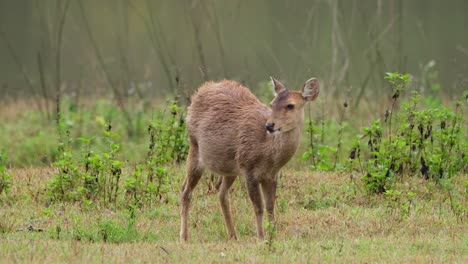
(321, 217)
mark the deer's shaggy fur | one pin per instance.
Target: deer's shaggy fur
(232, 133)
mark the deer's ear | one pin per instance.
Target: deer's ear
(311, 89)
(277, 86)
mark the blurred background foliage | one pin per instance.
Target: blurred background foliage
(73, 67)
(148, 48)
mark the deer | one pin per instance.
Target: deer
(231, 133)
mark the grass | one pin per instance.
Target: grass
(322, 217)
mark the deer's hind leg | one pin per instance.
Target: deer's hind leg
(226, 184)
(194, 173)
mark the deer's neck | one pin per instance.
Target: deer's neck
(284, 145)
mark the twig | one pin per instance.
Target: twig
(198, 44)
(43, 84)
(165, 250)
(110, 82)
(58, 53)
(20, 66)
(158, 35)
(215, 25)
(154, 38)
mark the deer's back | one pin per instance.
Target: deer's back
(218, 117)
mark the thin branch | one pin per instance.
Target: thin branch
(159, 36)
(198, 43)
(215, 26)
(155, 41)
(117, 93)
(20, 66)
(58, 53)
(45, 95)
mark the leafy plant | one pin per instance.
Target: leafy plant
(96, 174)
(113, 232)
(321, 155)
(63, 186)
(5, 182)
(97, 177)
(168, 136)
(270, 230)
(400, 203)
(428, 140)
(167, 144)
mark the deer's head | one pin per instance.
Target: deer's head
(288, 106)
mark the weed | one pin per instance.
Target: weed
(322, 156)
(111, 232)
(336, 164)
(7, 224)
(429, 140)
(398, 83)
(4, 176)
(168, 137)
(400, 203)
(63, 187)
(320, 198)
(111, 169)
(270, 230)
(456, 200)
(167, 144)
(97, 175)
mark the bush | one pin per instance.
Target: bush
(97, 175)
(429, 142)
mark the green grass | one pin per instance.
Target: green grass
(30, 140)
(322, 217)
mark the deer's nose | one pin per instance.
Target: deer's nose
(270, 127)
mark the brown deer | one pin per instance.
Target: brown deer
(232, 133)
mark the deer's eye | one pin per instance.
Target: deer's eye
(290, 107)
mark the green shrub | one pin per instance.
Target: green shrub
(429, 142)
(96, 173)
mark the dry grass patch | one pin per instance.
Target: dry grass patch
(322, 217)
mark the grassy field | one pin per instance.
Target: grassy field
(383, 182)
(321, 217)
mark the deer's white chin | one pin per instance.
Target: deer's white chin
(275, 132)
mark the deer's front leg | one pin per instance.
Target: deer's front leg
(269, 193)
(256, 198)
